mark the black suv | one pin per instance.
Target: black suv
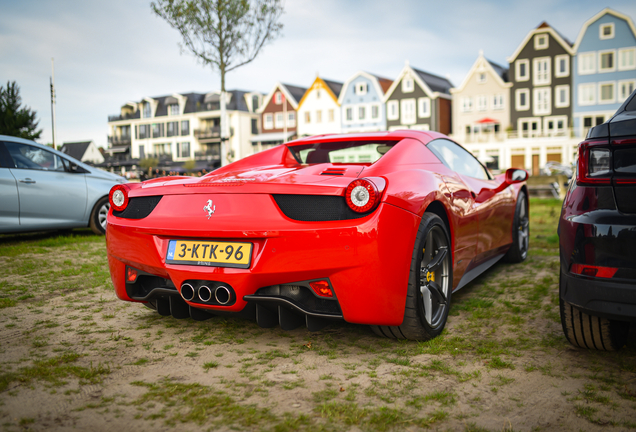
(597, 236)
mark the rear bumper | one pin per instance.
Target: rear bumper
(366, 260)
(598, 297)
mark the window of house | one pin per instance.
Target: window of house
(541, 101)
(498, 102)
(541, 41)
(185, 127)
(278, 98)
(562, 65)
(626, 59)
(173, 109)
(184, 149)
(522, 99)
(481, 77)
(541, 69)
(522, 70)
(587, 63)
(172, 129)
(307, 117)
(157, 130)
(291, 119)
(362, 112)
(254, 126)
(279, 120)
(361, 89)
(424, 107)
(349, 113)
(606, 92)
(625, 88)
(318, 116)
(268, 121)
(318, 94)
(375, 111)
(392, 110)
(408, 85)
(407, 109)
(606, 31)
(332, 115)
(587, 94)
(255, 103)
(467, 104)
(147, 110)
(562, 96)
(482, 103)
(606, 62)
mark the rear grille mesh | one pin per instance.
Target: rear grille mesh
(139, 207)
(316, 208)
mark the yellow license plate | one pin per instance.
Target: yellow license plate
(209, 253)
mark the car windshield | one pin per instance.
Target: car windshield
(341, 152)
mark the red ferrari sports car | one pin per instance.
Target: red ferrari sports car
(374, 228)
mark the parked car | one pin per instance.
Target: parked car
(555, 168)
(374, 228)
(597, 236)
(44, 189)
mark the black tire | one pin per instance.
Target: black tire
(592, 332)
(430, 284)
(520, 232)
(98, 216)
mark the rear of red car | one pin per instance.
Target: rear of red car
(597, 233)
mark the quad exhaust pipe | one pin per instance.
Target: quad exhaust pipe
(221, 294)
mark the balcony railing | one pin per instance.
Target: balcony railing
(211, 132)
(161, 157)
(134, 115)
(119, 140)
(207, 155)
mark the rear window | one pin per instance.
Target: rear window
(341, 152)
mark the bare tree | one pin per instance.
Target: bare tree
(224, 34)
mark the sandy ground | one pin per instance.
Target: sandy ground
(239, 376)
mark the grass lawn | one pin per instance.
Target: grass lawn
(74, 356)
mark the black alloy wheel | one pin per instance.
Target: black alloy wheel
(430, 284)
(518, 252)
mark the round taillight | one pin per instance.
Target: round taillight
(118, 197)
(362, 195)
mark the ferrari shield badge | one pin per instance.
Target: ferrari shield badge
(209, 208)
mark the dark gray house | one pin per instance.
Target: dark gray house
(419, 100)
(541, 77)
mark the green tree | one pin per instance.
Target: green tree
(223, 34)
(16, 120)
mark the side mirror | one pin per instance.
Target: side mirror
(514, 175)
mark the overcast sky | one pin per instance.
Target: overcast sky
(110, 52)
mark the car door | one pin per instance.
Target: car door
(462, 199)
(492, 211)
(10, 208)
(50, 195)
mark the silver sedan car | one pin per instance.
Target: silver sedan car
(44, 189)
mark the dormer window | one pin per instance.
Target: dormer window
(541, 41)
(147, 110)
(606, 31)
(255, 103)
(173, 109)
(361, 89)
(278, 98)
(407, 84)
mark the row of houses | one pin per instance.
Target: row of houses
(532, 111)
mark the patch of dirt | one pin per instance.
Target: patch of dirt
(501, 364)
